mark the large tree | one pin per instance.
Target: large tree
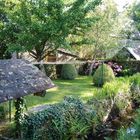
(103, 34)
(42, 26)
(3, 20)
(136, 15)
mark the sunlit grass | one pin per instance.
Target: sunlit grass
(80, 87)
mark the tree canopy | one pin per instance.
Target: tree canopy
(42, 26)
(101, 34)
(136, 15)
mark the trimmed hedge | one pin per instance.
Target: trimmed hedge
(68, 72)
(103, 74)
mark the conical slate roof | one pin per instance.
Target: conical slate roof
(19, 78)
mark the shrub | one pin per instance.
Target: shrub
(135, 79)
(117, 69)
(113, 89)
(3, 111)
(49, 70)
(70, 119)
(133, 132)
(135, 88)
(68, 72)
(115, 93)
(103, 74)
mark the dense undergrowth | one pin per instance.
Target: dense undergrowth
(98, 118)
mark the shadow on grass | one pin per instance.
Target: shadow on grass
(80, 87)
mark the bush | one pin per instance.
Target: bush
(117, 69)
(3, 111)
(49, 70)
(68, 72)
(70, 119)
(135, 79)
(135, 88)
(103, 74)
(90, 68)
(129, 67)
(113, 89)
(133, 132)
(115, 93)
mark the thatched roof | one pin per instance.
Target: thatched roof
(19, 78)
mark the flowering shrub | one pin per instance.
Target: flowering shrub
(117, 69)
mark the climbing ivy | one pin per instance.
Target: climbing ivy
(67, 120)
(19, 106)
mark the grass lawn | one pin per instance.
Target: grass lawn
(80, 87)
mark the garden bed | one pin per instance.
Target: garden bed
(105, 110)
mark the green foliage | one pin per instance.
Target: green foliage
(19, 106)
(115, 93)
(103, 74)
(3, 111)
(98, 38)
(115, 87)
(131, 133)
(136, 15)
(42, 26)
(119, 91)
(67, 120)
(71, 119)
(135, 88)
(3, 19)
(135, 79)
(111, 89)
(68, 72)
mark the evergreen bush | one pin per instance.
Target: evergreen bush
(68, 72)
(103, 74)
(132, 132)
(70, 119)
(3, 111)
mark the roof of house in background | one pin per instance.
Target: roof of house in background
(132, 46)
(67, 52)
(18, 78)
(135, 51)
